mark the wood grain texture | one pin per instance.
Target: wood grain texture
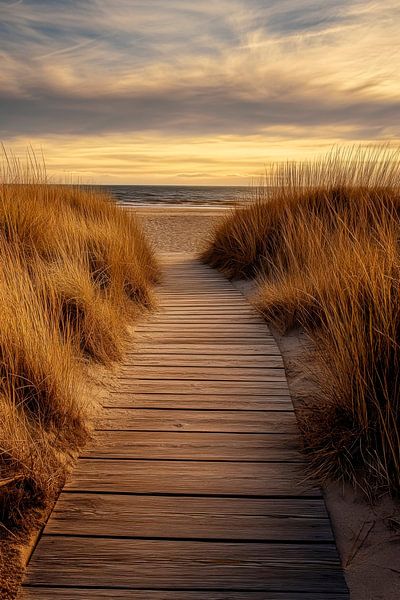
(45, 593)
(201, 321)
(232, 337)
(232, 401)
(194, 487)
(255, 388)
(185, 564)
(184, 360)
(264, 348)
(210, 373)
(189, 477)
(197, 420)
(173, 310)
(198, 328)
(187, 517)
(194, 446)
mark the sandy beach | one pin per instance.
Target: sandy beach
(367, 536)
(181, 228)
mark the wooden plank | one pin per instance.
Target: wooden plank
(191, 272)
(187, 281)
(237, 301)
(264, 348)
(198, 360)
(197, 315)
(177, 276)
(257, 388)
(205, 321)
(186, 292)
(199, 299)
(180, 278)
(50, 593)
(206, 337)
(205, 401)
(178, 325)
(199, 318)
(126, 419)
(194, 289)
(195, 518)
(191, 308)
(185, 445)
(185, 564)
(224, 294)
(189, 477)
(196, 304)
(201, 295)
(184, 282)
(175, 279)
(202, 373)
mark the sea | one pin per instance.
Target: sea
(201, 195)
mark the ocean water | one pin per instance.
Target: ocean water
(174, 194)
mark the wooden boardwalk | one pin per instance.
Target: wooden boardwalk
(195, 489)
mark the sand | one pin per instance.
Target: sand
(181, 229)
(367, 537)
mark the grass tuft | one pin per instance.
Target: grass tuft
(75, 270)
(322, 239)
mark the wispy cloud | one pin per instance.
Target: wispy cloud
(198, 71)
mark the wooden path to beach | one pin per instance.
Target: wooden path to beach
(195, 488)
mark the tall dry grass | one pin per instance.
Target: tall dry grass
(323, 240)
(74, 271)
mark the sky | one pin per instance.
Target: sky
(194, 92)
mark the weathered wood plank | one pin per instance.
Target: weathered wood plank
(196, 337)
(187, 360)
(200, 296)
(194, 446)
(264, 348)
(183, 282)
(190, 477)
(46, 593)
(200, 313)
(179, 327)
(258, 388)
(185, 517)
(176, 308)
(199, 299)
(232, 401)
(202, 373)
(205, 321)
(185, 564)
(126, 419)
(197, 288)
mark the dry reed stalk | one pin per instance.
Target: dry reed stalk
(322, 239)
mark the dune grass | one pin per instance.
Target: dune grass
(322, 239)
(75, 270)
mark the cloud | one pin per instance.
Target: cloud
(200, 70)
(197, 110)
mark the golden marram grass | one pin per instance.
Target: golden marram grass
(322, 239)
(75, 270)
